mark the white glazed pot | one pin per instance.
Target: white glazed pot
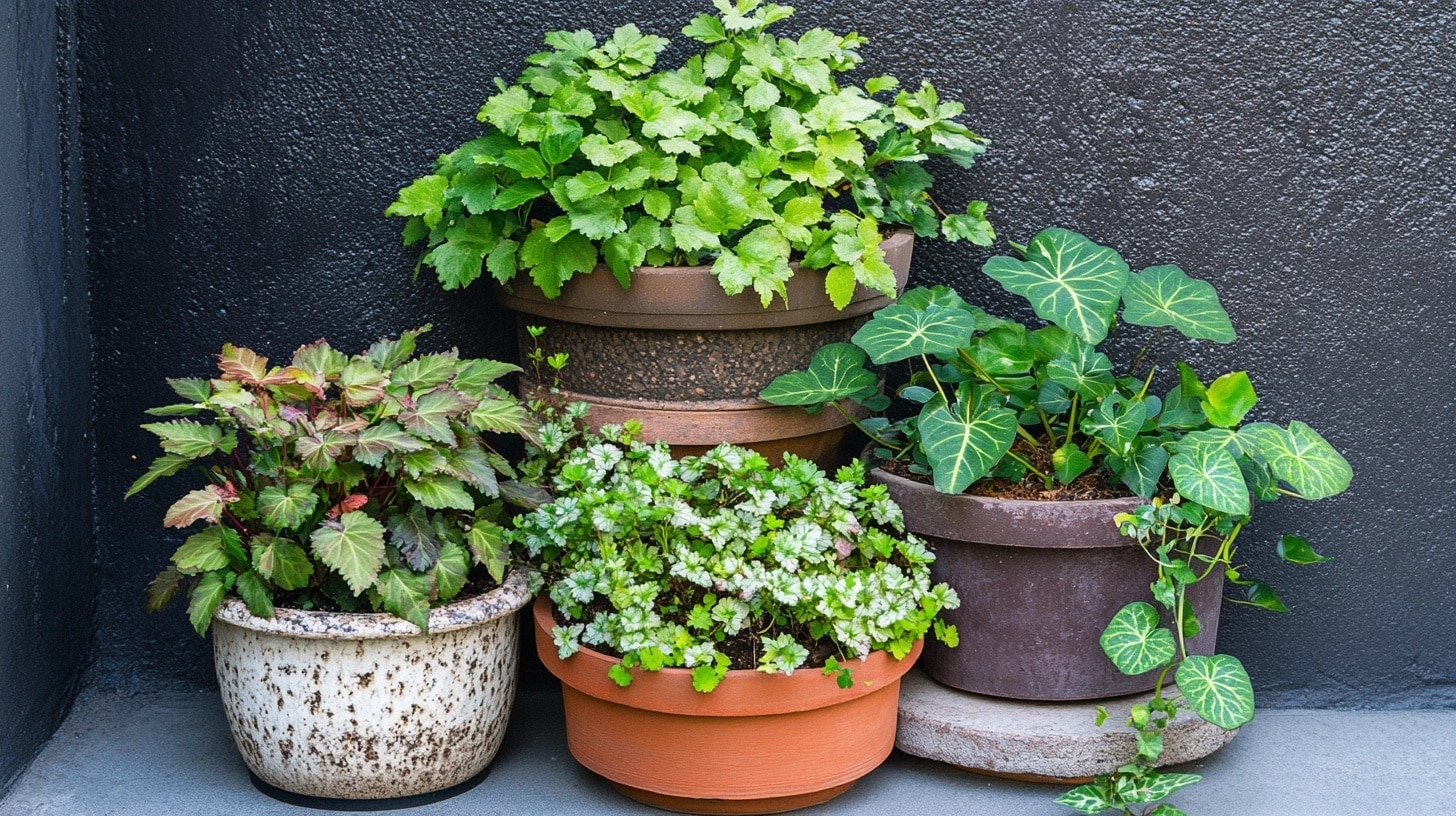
(364, 706)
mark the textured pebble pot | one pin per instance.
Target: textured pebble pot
(351, 566)
(1011, 429)
(730, 636)
(683, 235)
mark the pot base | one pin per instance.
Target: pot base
(366, 805)
(737, 807)
(1035, 742)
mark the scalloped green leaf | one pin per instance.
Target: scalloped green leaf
(206, 598)
(352, 546)
(285, 508)
(406, 595)
(186, 438)
(386, 437)
(451, 571)
(1134, 641)
(1299, 457)
(201, 552)
(1166, 296)
(899, 332)
(963, 446)
(439, 492)
(165, 465)
(1218, 689)
(255, 594)
(281, 561)
(430, 418)
(1068, 279)
(836, 372)
(1212, 477)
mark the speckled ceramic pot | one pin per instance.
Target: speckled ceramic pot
(364, 706)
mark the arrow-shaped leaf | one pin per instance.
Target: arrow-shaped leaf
(1211, 477)
(964, 448)
(1218, 689)
(836, 372)
(1296, 550)
(1134, 641)
(1165, 296)
(1300, 457)
(1069, 280)
(899, 332)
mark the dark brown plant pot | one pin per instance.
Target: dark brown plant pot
(758, 743)
(688, 360)
(1038, 582)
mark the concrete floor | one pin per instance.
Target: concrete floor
(157, 755)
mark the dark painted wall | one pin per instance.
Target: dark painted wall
(1298, 155)
(47, 581)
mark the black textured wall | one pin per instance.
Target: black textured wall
(47, 580)
(1296, 154)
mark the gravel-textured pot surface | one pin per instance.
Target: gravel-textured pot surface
(689, 360)
(759, 743)
(363, 705)
(1038, 582)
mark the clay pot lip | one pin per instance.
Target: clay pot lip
(500, 602)
(1082, 523)
(690, 297)
(743, 693)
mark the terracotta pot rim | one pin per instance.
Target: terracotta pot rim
(504, 600)
(690, 297)
(1023, 522)
(744, 692)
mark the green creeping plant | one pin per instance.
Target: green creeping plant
(982, 384)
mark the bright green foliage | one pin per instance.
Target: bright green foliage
(361, 483)
(727, 159)
(659, 560)
(1055, 397)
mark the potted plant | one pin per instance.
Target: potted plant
(714, 619)
(351, 564)
(684, 234)
(1035, 422)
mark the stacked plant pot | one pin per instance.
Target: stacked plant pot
(687, 360)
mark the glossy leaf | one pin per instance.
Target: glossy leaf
(1090, 798)
(488, 546)
(836, 372)
(1296, 550)
(1228, 398)
(1089, 373)
(1134, 641)
(1069, 462)
(1166, 296)
(898, 332)
(1262, 595)
(1218, 689)
(451, 571)
(1149, 787)
(201, 552)
(1069, 280)
(1144, 471)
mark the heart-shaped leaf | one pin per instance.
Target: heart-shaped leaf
(1165, 296)
(1300, 457)
(1116, 421)
(1069, 462)
(1134, 641)
(286, 508)
(899, 332)
(1218, 689)
(1144, 471)
(964, 445)
(1088, 372)
(406, 595)
(1091, 798)
(1211, 477)
(1069, 280)
(1150, 787)
(836, 372)
(1262, 595)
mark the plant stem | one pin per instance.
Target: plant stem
(934, 379)
(1028, 465)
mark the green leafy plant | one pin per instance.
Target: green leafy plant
(721, 561)
(994, 399)
(334, 482)
(749, 153)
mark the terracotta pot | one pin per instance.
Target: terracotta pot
(689, 361)
(1038, 582)
(759, 743)
(364, 706)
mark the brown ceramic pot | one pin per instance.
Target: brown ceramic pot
(759, 743)
(688, 360)
(1038, 582)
